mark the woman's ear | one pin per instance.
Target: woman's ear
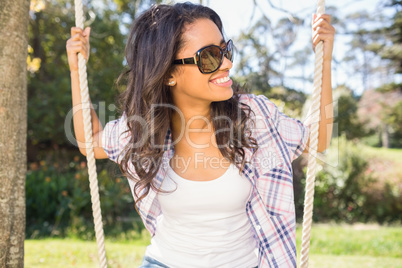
(171, 81)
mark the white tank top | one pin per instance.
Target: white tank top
(204, 223)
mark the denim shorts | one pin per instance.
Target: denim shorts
(149, 262)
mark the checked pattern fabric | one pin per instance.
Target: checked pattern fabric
(270, 207)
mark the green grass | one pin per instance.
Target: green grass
(350, 261)
(385, 163)
(393, 154)
(331, 246)
(54, 253)
(367, 240)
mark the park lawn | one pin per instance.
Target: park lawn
(394, 154)
(54, 253)
(385, 163)
(331, 246)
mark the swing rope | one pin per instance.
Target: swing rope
(86, 111)
(312, 159)
(311, 169)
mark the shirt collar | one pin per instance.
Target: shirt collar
(168, 146)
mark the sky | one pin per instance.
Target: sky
(237, 15)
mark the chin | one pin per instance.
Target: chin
(224, 95)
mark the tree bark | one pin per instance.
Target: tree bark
(385, 135)
(13, 129)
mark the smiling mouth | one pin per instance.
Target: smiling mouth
(221, 81)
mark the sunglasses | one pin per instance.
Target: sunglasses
(210, 58)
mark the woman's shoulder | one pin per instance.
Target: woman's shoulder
(257, 102)
(252, 97)
(246, 97)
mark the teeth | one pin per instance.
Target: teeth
(222, 80)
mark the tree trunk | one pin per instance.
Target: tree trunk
(384, 135)
(13, 129)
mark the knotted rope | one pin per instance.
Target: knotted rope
(86, 111)
(312, 160)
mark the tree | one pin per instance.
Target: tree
(301, 60)
(390, 47)
(375, 51)
(49, 83)
(363, 61)
(48, 77)
(255, 57)
(284, 34)
(13, 117)
(394, 120)
(380, 109)
(346, 110)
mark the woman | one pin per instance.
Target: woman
(209, 167)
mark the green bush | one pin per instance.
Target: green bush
(58, 201)
(338, 192)
(384, 202)
(347, 191)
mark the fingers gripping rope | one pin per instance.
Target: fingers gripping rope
(86, 110)
(312, 160)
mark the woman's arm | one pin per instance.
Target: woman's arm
(79, 43)
(324, 31)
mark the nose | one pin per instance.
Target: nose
(226, 64)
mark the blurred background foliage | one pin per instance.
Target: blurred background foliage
(59, 203)
(361, 175)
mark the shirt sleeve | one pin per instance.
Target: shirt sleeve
(115, 138)
(293, 132)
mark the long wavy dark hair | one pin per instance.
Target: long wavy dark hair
(153, 43)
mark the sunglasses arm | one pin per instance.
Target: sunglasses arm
(192, 60)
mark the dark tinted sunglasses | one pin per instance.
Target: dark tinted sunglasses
(210, 58)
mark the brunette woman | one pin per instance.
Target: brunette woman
(209, 166)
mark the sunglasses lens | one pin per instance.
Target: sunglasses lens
(211, 58)
(229, 51)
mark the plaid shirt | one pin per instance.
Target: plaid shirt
(270, 207)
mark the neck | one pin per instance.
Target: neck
(191, 116)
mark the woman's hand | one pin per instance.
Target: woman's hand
(78, 43)
(323, 31)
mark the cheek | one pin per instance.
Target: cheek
(193, 78)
